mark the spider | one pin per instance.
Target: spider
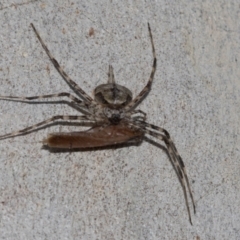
(112, 115)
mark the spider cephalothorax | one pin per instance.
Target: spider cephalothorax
(112, 115)
(113, 98)
(112, 94)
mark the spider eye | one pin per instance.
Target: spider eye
(112, 94)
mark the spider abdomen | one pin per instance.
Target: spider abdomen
(95, 137)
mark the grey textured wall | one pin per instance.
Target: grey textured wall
(133, 192)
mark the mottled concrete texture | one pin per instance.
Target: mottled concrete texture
(132, 192)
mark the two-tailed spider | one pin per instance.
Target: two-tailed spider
(112, 115)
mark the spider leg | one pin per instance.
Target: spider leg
(175, 158)
(75, 100)
(178, 165)
(147, 88)
(44, 123)
(71, 83)
(176, 154)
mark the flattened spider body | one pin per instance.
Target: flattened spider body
(95, 137)
(112, 94)
(112, 116)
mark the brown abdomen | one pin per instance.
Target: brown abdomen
(95, 137)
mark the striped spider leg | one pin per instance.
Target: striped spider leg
(147, 88)
(70, 82)
(112, 115)
(175, 158)
(160, 133)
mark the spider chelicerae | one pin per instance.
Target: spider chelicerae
(112, 115)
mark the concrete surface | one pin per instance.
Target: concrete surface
(133, 192)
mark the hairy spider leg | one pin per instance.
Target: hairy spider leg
(147, 88)
(71, 83)
(44, 123)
